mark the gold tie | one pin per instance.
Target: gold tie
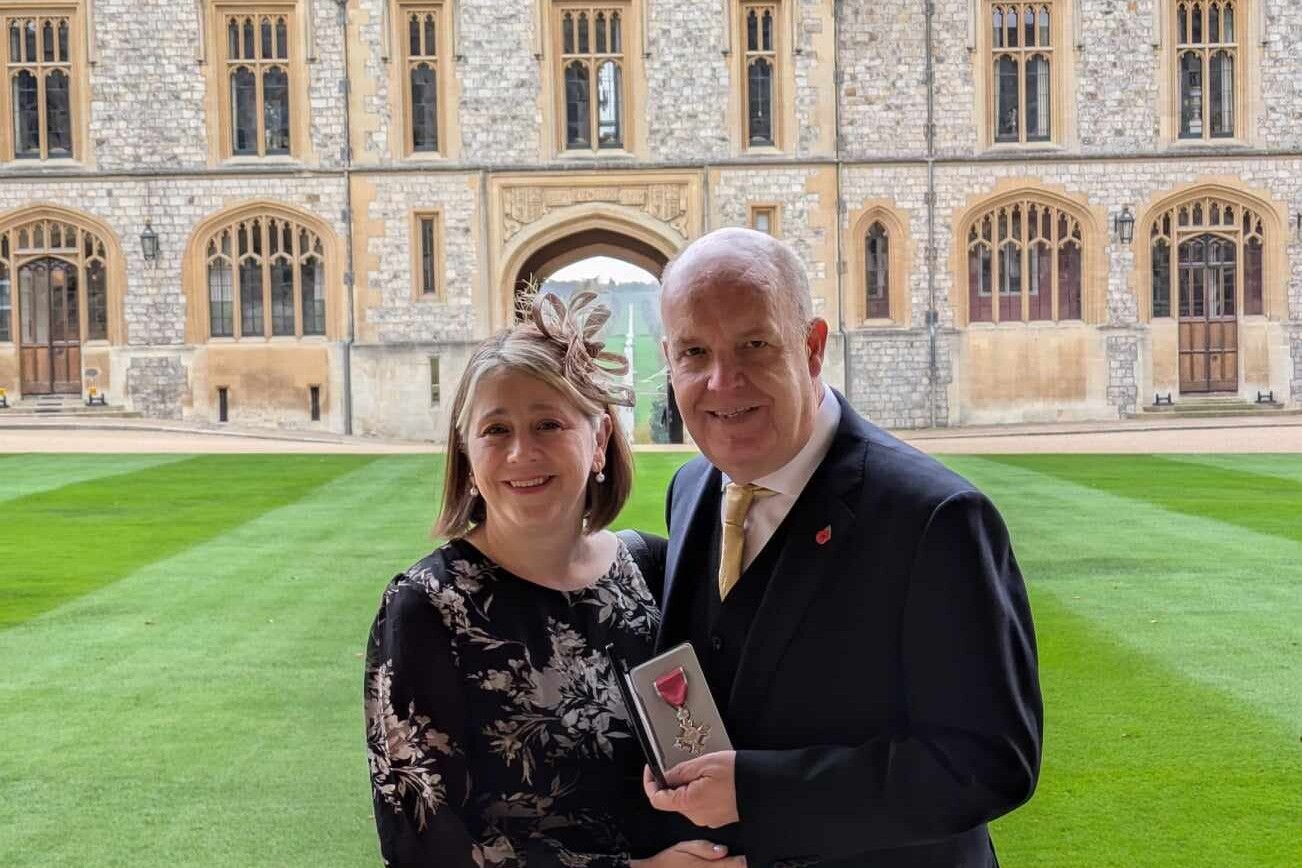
(736, 503)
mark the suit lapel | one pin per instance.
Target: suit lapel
(690, 531)
(808, 557)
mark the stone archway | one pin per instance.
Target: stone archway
(585, 244)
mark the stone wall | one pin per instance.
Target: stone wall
(883, 90)
(1123, 376)
(800, 214)
(890, 381)
(500, 80)
(158, 386)
(1117, 72)
(687, 113)
(390, 306)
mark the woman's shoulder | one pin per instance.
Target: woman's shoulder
(444, 579)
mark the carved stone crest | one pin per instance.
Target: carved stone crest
(664, 202)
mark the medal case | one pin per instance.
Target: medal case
(671, 708)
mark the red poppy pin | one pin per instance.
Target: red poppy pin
(823, 535)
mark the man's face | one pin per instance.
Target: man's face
(747, 387)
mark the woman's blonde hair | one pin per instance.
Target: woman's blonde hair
(558, 345)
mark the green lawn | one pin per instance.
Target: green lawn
(180, 670)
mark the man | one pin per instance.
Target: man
(856, 606)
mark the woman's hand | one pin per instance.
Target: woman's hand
(692, 854)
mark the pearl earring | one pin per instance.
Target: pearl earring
(474, 492)
(601, 476)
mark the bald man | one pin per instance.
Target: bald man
(856, 606)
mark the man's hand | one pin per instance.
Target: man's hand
(703, 790)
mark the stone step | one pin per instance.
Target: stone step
(1222, 412)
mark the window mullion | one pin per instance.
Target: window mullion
(294, 257)
(996, 275)
(237, 288)
(1026, 262)
(267, 313)
(1053, 265)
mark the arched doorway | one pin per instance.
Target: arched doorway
(56, 269)
(1208, 270)
(626, 271)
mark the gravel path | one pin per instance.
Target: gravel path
(1233, 434)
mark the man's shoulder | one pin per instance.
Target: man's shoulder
(905, 474)
(690, 472)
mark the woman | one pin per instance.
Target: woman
(495, 733)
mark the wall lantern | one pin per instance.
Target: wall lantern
(1124, 224)
(149, 243)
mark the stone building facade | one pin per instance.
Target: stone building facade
(347, 195)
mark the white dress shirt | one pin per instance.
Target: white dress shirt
(766, 513)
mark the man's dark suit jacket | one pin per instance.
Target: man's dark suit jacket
(887, 704)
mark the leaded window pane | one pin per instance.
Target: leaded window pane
(267, 45)
(752, 30)
(610, 86)
(616, 34)
(1191, 95)
(96, 301)
(248, 39)
(275, 106)
(244, 112)
(877, 276)
(1040, 282)
(766, 31)
(583, 33)
(1006, 122)
(577, 121)
(1161, 278)
(1069, 282)
(413, 36)
(27, 116)
(1222, 94)
(47, 41)
(58, 115)
(232, 40)
(221, 322)
(6, 303)
(430, 44)
(251, 297)
(979, 283)
(1227, 23)
(1253, 284)
(428, 285)
(282, 297)
(1037, 99)
(759, 88)
(282, 39)
(312, 286)
(424, 109)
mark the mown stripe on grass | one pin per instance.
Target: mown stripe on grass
(28, 474)
(79, 537)
(1144, 769)
(1217, 603)
(209, 704)
(1236, 496)
(1281, 465)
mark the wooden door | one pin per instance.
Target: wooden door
(50, 334)
(1209, 328)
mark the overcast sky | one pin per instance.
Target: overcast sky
(606, 269)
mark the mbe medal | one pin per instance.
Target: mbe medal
(672, 688)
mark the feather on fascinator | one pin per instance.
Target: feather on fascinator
(586, 364)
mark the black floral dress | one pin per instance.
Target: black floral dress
(494, 730)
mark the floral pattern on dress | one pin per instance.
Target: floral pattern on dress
(495, 733)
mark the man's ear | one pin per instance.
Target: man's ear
(816, 345)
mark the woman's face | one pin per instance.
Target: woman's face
(531, 452)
